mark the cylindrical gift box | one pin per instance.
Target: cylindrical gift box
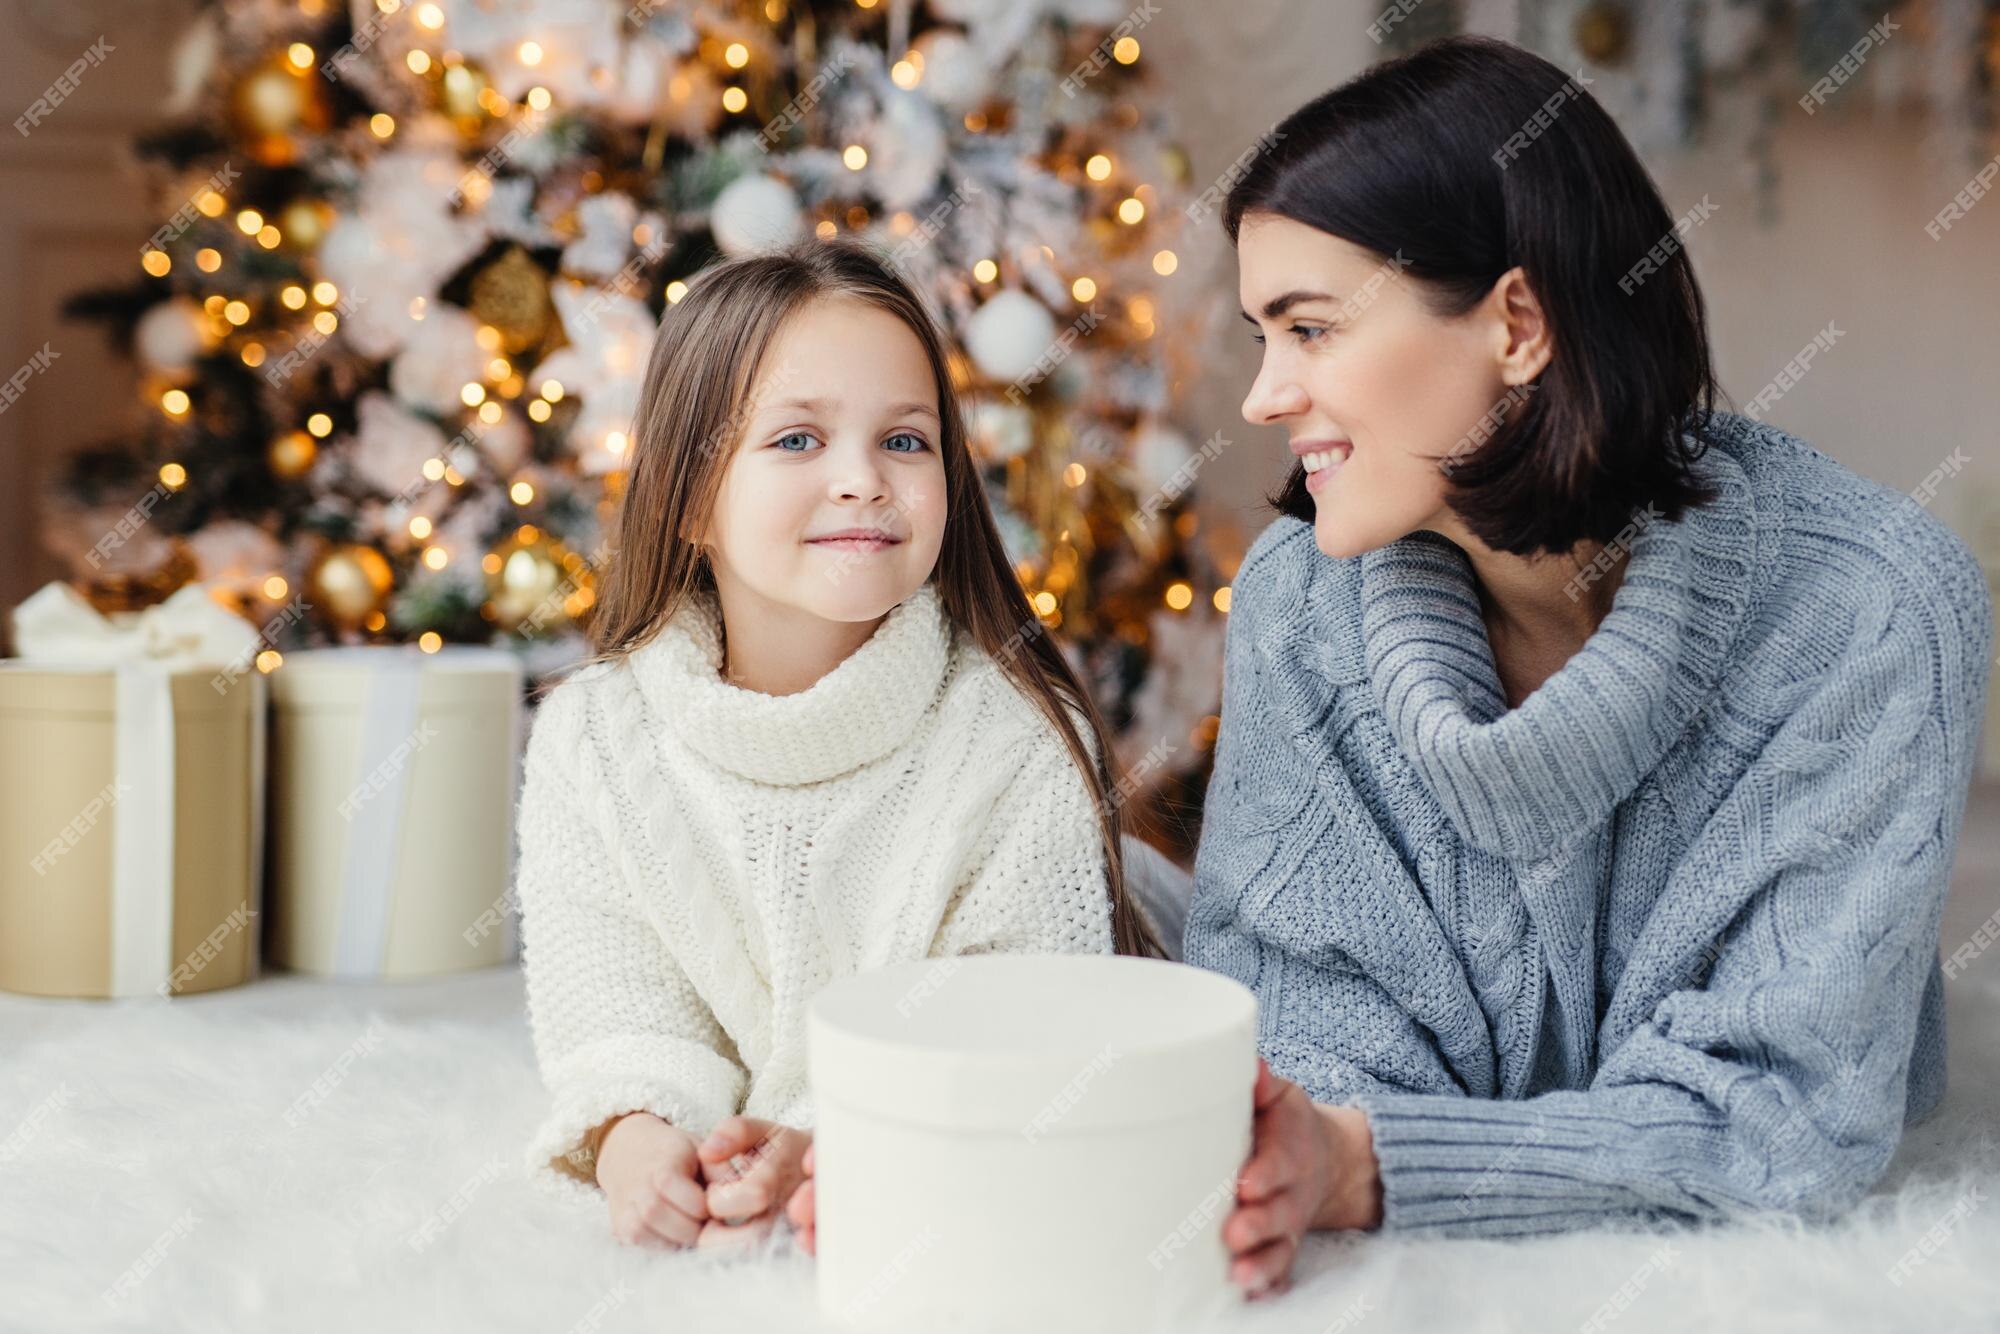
(129, 837)
(393, 777)
(1044, 1142)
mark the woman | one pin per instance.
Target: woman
(1591, 761)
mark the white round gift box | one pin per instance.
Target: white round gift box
(1041, 1142)
(392, 800)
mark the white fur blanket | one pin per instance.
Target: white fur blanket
(215, 1165)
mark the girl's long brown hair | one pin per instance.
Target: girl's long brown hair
(694, 406)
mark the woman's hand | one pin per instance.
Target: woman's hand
(651, 1177)
(1311, 1166)
(752, 1168)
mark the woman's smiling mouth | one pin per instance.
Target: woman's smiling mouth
(1322, 459)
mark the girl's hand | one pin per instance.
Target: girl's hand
(651, 1177)
(1311, 1166)
(801, 1210)
(752, 1167)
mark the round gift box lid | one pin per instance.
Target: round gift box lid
(1027, 1043)
(339, 677)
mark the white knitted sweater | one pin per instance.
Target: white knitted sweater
(697, 860)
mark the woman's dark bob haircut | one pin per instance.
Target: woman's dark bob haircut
(1464, 159)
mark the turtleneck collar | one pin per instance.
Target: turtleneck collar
(860, 711)
(1528, 782)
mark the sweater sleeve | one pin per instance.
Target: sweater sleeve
(1780, 1083)
(1039, 885)
(617, 1025)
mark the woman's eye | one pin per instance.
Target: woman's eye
(793, 435)
(1305, 333)
(917, 444)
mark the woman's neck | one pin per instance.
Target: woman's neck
(1555, 598)
(1540, 610)
(779, 650)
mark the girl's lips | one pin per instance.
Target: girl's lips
(855, 543)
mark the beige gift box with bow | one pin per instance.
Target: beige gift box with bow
(130, 839)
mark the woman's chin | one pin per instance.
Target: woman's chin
(1335, 538)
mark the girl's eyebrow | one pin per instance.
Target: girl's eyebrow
(822, 404)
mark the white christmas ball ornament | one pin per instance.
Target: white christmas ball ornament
(955, 76)
(391, 443)
(999, 431)
(755, 213)
(505, 442)
(1008, 334)
(172, 335)
(909, 149)
(441, 357)
(1158, 454)
(236, 555)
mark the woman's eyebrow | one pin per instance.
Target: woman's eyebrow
(1278, 305)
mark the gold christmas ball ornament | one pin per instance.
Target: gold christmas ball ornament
(292, 454)
(1603, 33)
(462, 94)
(349, 581)
(535, 584)
(136, 587)
(274, 102)
(304, 222)
(512, 295)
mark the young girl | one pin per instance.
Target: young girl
(824, 733)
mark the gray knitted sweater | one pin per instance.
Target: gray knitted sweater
(1662, 942)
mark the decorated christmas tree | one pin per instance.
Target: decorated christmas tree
(411, 258)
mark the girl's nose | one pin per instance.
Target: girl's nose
(1273, 397)
(858, 475)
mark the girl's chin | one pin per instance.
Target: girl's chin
(856, 595)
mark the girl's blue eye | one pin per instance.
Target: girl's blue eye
(792, 435)
(917, 444)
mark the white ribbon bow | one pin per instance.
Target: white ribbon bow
(190, 629)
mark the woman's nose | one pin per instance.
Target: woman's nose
(1273, 396)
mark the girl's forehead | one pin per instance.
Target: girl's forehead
(844, 366)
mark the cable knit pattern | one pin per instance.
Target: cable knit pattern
(697, 860)
(1660, 943)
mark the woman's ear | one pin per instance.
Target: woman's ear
(1522, 341)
